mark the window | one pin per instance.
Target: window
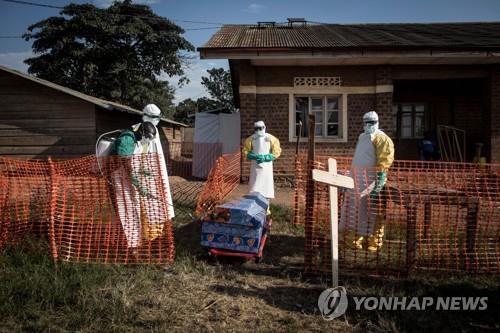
(410, 120)
(327, 116)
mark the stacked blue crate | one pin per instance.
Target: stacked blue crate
(243, 231)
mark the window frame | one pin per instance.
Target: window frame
(341, 118)
(413, 113)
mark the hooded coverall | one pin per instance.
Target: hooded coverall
(374, 153)
(261, 174)
(143, 198)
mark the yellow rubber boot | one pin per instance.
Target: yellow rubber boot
(376, 240)
(358, 243)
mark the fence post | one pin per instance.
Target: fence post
(411, 237)
(472, 218)
(309, 218)
(53, 204)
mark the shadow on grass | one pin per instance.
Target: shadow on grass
(281, 251)
(304, 300)
(288, 298)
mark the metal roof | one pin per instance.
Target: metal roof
(108, 105)
(480, 35)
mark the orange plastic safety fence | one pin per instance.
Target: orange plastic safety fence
(430, 216)
(24, 188)
(188, 159)
(109, 210)
(222, 180)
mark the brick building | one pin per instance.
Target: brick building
(416, 76)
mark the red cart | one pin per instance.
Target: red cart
(214, 253)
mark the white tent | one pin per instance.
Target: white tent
(214, 135)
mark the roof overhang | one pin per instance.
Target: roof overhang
(297, 57)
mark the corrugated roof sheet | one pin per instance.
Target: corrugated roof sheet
(108, 105)
(319, 36)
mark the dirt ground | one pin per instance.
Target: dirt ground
(187, 191)
(283, 196)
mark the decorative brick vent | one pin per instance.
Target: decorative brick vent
(317, 81)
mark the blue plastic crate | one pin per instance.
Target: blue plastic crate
(234, 237)
(243, 231)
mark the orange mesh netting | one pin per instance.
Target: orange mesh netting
(431, 216)
(109, 210)
(188, 159)
(24, 197)
(120, 213)
(222, 180)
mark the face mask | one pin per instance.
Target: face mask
(144, 141)
(370, 128)
(260, 131)
(153, 120)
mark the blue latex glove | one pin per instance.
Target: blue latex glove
(252, 156)
(380, 182)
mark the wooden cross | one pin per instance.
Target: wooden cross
(334, 180)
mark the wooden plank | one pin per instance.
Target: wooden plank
(334, 180)
(309, 258)
(47, 131)
(334, 223)
(46, 114)
(471, 229)
(411, 238)
(43, 123)
(31, 97)
(48, 150)
(22, 106)
(42, 157)
(46, 140)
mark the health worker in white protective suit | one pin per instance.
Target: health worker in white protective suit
(372, 159)
(142, 188)
(261, 149)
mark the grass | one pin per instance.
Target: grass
(195, 294)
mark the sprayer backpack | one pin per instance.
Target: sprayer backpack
(105, 145)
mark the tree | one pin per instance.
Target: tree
(184, 109)
(205, 103)
(219, 86)
(116, 53)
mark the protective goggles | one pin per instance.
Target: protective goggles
(258, 128)
(153, 117)
(148, 136)
(370, 122)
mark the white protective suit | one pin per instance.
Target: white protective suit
(374, 152)
(261, 174)
(143, 215)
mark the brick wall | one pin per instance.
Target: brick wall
(283, 76)
(274, 111)
(495, 114)
(273, 108)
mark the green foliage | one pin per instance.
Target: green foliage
(218, 84)
(205, 103)
(184, 109)
(115, 53)
(189, 107)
